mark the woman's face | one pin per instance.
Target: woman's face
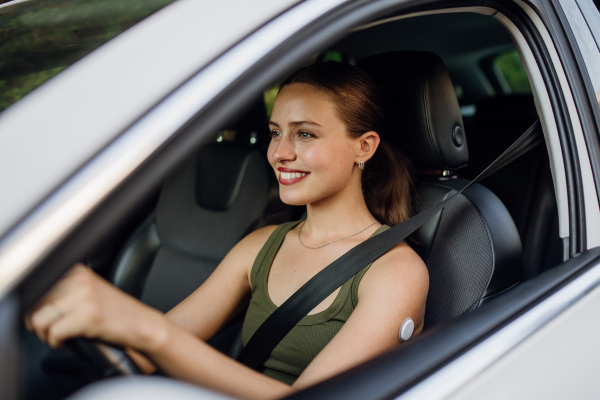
(310, 150)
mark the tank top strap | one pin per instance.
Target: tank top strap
(268, 251)
(357, 278)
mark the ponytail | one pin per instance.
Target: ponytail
(388, 186)
(387, 183)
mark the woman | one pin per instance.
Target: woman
(327, 153)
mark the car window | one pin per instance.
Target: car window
(269, 97)
(39, 39)
(510, 73)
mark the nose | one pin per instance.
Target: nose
(283, 149)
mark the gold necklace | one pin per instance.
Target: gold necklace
(337, 240)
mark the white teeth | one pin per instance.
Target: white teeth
(292, 175)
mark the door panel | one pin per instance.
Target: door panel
(561, 360)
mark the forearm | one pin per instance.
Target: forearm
(82, 304)
(181, 355)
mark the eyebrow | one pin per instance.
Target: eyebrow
(296, 123)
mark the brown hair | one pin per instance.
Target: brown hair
(387, 183)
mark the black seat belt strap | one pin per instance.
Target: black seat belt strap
(313, 292)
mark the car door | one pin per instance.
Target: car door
(557, 360)
(101, 188)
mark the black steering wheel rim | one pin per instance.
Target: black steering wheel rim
(106, 360)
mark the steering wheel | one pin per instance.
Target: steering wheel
(106, 360)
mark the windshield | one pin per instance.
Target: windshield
(40, 38)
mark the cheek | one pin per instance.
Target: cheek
(312, 157)
(270, 152)
(336, 163)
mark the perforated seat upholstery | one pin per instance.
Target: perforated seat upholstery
(204, 209)
(471, 248)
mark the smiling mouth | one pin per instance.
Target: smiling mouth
(289, 178)
(292, 175)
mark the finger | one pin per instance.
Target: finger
(43, 318)
(77, 324)
(65, 328)
(27, 321)
(60, 300)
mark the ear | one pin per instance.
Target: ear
(368, 144)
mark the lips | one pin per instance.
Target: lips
(289, 176)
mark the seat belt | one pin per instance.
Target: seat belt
(319, 287)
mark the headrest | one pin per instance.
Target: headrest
(421, 108)
(213, 200)
(220, 171)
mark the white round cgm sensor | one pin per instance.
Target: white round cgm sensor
(406, 330)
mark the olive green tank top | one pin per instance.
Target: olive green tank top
(298, 348)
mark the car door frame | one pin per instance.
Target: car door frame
(578, 73)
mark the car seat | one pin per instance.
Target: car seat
(471, 248)
(204, 209)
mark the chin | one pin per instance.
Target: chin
(293, 200)
(303, 197)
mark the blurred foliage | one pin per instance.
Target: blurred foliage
(269, 96)
(509, 64)
(333, 55)
(12, 89)
(40, 38)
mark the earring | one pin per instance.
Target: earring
(361, 164)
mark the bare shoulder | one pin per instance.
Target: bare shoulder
(248, 248)
(400, 270)
(253, 242)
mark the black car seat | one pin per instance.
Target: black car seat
(204, 209)
(525, 186)
(471, 248)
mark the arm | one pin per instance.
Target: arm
(83, 304)
(226, 291)
(394, 288)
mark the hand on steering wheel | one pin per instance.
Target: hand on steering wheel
(85, 312)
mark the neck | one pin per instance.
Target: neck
(339, 215)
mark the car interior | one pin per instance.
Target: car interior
(477, 102)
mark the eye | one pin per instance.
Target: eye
(305, 135)
(274, 134)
